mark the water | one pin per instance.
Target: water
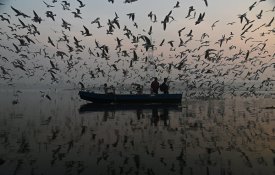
(61, 135)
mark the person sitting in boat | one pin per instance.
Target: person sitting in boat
(164, 87)
(106, 89)
(155, 86)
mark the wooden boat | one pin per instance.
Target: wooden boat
(130, 98)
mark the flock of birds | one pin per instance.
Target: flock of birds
(62, 55)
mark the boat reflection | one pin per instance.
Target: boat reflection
(93, 107)
(156, 112)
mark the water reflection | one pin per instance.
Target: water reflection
(64, 135)
(156, 112)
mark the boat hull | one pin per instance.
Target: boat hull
(130, 98)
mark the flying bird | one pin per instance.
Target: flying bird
(271, 21)
(131, 16)
(86, 31)
(252, 6)
(166, 20)
(81, 4)
(76, 15)
(4, 19)
(200, 18)
(177, 5)
(50, 14)
(48, 5)
(19, 13)
(214, 24)
(206, 3)
(36, 18)
(191, 9)
(179, 32)
(50, 41)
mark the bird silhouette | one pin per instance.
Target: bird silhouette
(81, 4)
(51, 15)
(86, 31)
(66, 25)
(177, 5)
(4, 19)
(48, 5)
(200, 18)
(206, 3)
(19, 13)
(36, 18)
(50, 41)
(166, 20)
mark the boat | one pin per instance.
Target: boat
(129, 98)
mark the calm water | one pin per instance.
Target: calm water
(62, 135)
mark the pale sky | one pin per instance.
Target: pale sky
(38, 67)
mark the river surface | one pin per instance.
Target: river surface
(54, 132)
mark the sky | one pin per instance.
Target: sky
(242, 56)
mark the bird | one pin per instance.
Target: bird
(36, 18)
(206, 3)
(22, 42)
(16, 48)
(76, 15)
(86, 31)
(179, 32)
(129, 1)
(95, 20)
(4, 19)
(23, 25)
(200, 18)
(191, 9)
(162, 42)
(71, 49)
(66, 25)
(50, 14)
(246, 30)
(177, 5)
(252, 6)
(66, 3)
(214, 24)
(259, 16)
(271, 21)
(50, 41)
(171, 43)
(81, 4)
(78, 11)
(190, 33)
(19, 13)
(48, 5)
(150, 30)
(148, 43)
(118, 43)
(48, 97)
(131, 16)
(166, 20)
